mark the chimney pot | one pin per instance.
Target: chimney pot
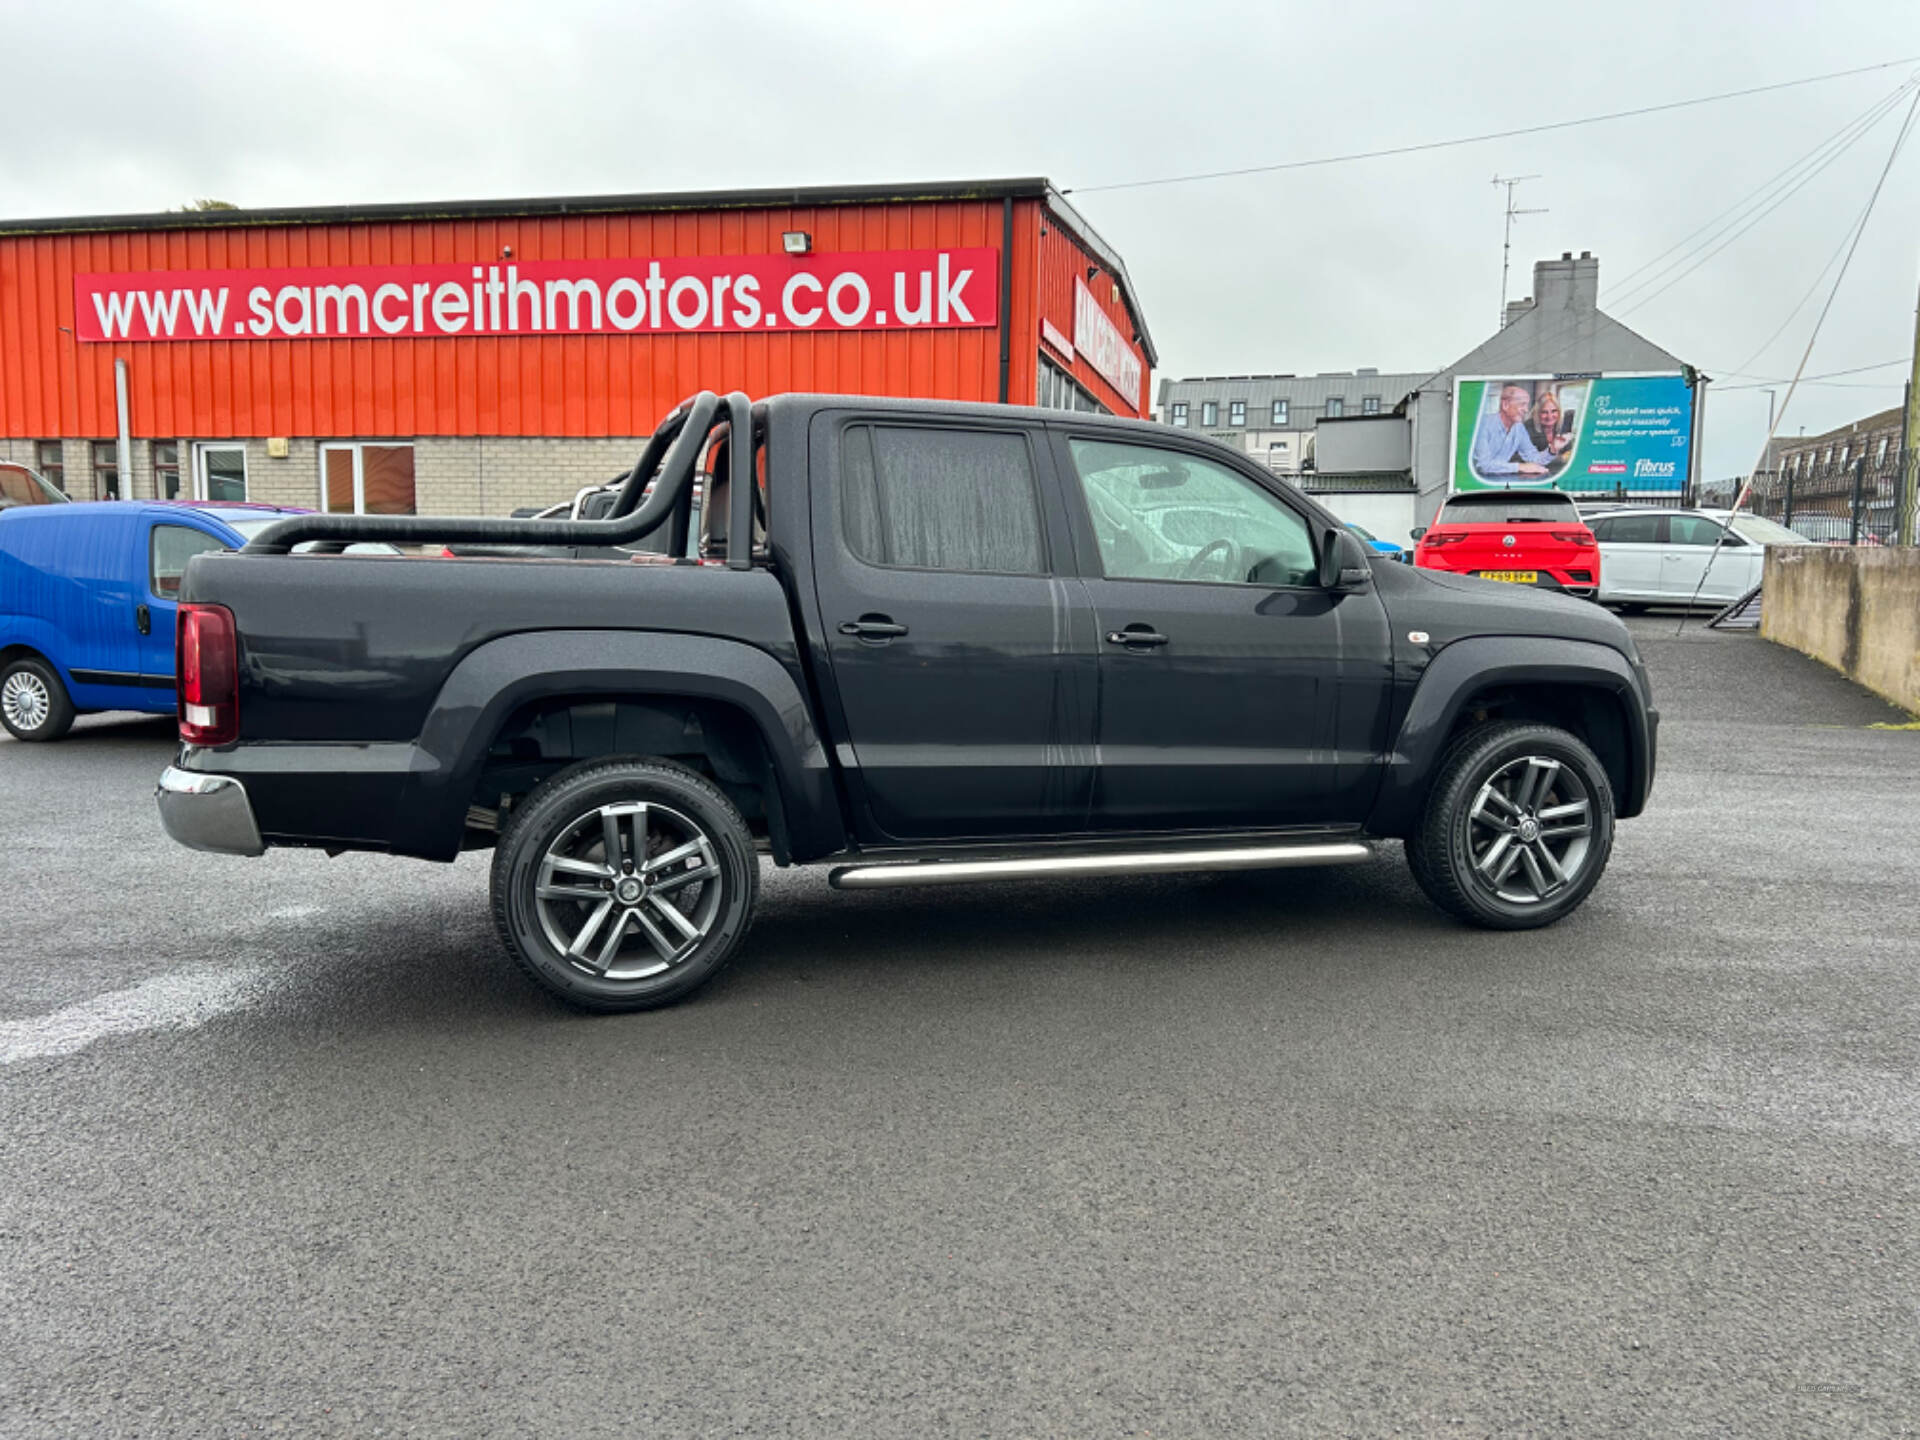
(1586, 254)
(1566, 254)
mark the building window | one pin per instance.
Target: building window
(1880, 455)
(220, 472)
(47, 460)
(1237, 413)
(1209, 412)
(1370, 405)
(1826, 456)
(106, 470)
(1060, 391)
(1336, 407)
(166, 469)
(1279, 413)
(1180, 414)
(361, 479)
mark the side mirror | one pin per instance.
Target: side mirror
(1343, 562)
(1417, 531)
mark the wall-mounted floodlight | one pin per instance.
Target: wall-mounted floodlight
(796, 242)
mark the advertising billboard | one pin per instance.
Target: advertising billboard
(1604, 433)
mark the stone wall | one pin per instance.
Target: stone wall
(1855, 607)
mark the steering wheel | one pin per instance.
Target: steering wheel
(1233, 568)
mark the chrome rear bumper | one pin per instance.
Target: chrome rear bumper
(208, 812)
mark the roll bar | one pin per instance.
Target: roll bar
(680, 438)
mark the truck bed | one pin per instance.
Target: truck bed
(355, 648)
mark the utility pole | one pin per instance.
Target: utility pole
(1903, 530)
(1506, 244)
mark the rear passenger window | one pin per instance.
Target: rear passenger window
(936, 499)
(1629, 530)
(172, 547)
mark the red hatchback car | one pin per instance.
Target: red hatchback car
(1528, 537)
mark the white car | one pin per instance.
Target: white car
(1651, 556)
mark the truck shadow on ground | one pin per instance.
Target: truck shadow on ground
(444, 964)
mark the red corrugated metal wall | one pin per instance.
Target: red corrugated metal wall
(1061, 258)
(52, 385)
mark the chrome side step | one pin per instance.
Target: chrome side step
(1137, 862)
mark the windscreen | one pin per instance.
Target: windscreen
(1766, 532)
(1490, 507)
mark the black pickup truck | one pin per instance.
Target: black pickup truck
(922, 643)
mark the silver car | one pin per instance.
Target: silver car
(1652, 556)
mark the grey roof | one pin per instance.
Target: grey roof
(1885, 420)
(1308, 392)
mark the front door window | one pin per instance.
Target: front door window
(1162, 515)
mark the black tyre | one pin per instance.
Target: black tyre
(34, 704)
(1628, 609)
(1518, 827)
(624, 885)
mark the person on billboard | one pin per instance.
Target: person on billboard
(1501, 444)
(1551, 430)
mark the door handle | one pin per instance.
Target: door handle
(872, 627)
(143, 619)
(1136, 635)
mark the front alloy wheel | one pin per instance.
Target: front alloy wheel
(1518, 826)
(1530, 830)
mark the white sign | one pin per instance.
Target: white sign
(1106, 349)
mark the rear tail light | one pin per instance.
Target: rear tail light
(206, 663)
(1573, 537)
(1432, 539)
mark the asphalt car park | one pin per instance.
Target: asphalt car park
(290, 1146)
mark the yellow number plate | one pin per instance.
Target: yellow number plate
(1518, 577)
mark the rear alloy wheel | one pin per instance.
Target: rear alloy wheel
(1518, 827)
(33, 703)
(625, 885)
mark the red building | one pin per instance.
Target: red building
(482, 355)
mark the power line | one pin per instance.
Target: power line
(1773, 427)
(1490, 135)
(1823, 375)
(1748, 222)
(1760, 381)
(1899, 140)
(1753, 219)
(1864, 121)
(1876, 111)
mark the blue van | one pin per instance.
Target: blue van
(87, 599)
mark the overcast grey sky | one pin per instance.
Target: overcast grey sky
(1393, 263)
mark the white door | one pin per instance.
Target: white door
(1689, 565)
(1630, 556)
(219, 472)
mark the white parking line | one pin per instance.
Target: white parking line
(166, 1002)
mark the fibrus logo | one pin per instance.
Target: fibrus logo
(1653, 469)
